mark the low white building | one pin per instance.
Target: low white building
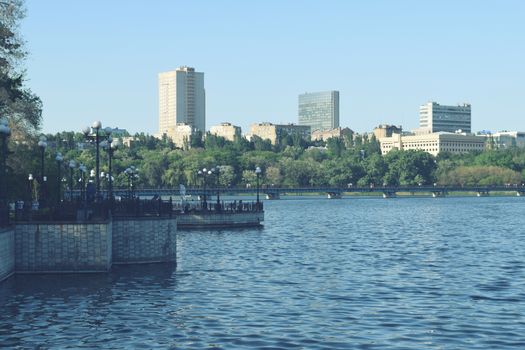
(434, 143)
(226, 130)
(509, 139)
(180, 134)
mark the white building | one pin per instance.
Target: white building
(182, 99)
(180, 134)
(434, 143)
(274, 132)
(434, 117)
(509, 139)
(226, 130)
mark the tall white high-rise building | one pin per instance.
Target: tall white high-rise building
(182, 100)
(434, 117)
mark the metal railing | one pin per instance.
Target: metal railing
(142, 208)
(78, 210)
(222, 207)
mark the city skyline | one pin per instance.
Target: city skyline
(381, 56)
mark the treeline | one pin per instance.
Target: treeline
(292, 163)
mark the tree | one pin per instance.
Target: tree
(335, 146)
(261, 145)
(23, 108)
(196, 140)
(227, 175)
(273, 176)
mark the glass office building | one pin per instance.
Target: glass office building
(319, 110)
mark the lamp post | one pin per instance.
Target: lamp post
(72, 164)
(82, 181)
(205, 202)
(114, 145)
(103, 177)
(59, 160)
(258, 173)
(42, 144)
(4, 134)
(218, 173)
(199, 174)
(132, 174)
(30, 186)
(96, 133)
(110, 146)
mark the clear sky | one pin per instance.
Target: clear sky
(99, 59)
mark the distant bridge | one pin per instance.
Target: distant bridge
(331, 192)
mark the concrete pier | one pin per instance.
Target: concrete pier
(144, 240)
(83, 247)
(63, 247)
(219, 219)
(334, 195)
(7, 252)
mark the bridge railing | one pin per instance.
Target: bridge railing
(164, 192)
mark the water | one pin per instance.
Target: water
(414, 273)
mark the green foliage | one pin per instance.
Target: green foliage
(480, 175)
(331, 163)
(17, 102)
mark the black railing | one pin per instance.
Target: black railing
(64, 211)
(223, 207)
(142, 208)
(78, 210)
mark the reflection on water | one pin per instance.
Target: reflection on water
(415, 273)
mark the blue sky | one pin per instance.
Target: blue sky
(99, 59)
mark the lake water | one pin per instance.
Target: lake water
(355, 273)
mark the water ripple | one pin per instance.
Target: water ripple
(355, 273)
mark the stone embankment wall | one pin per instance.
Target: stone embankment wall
(63, 247)
(7, 252)
(144, 240)
(209, 220)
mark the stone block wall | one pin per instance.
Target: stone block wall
(7, 252)
(209, 220)
(63, 247)
(144, 240)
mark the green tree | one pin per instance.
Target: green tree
(23, 108)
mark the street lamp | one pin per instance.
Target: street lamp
(82, 181)
(132, 174)
(42, 144)
(30, 186)
(218, 173)
(205, 202)
(72, 164)
(4, 134)
(95, 133)
(110, 146)
(199, 174)
(103, 177)
(258, 173)
(59, 160)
